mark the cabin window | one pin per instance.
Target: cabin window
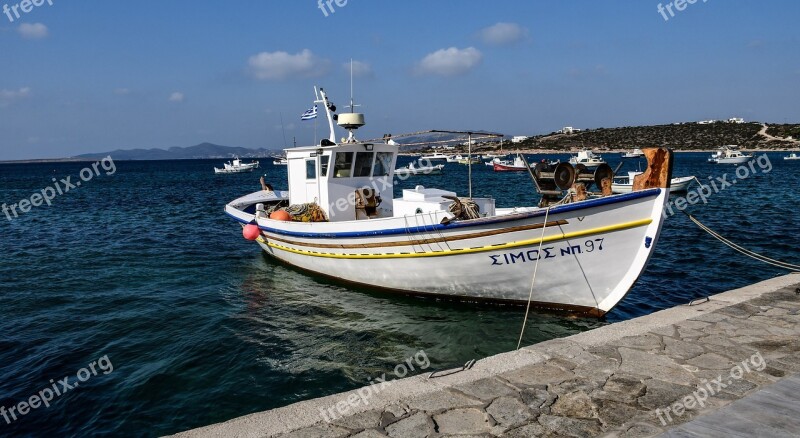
(323, 165)
(382, 164)
(363, 164)
(311, 169)
(342, 165)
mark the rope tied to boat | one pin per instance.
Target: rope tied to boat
(533, 280)
(742, 250)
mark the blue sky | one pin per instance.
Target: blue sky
(90, 76)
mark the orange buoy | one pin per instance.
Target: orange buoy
(251, 232)
(280, 215)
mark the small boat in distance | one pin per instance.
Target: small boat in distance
(636, 153)
(729, 155)
(588, 159)
(411, 169)
(237, 166)
(624, 184)
(460, 159)
(280, 161)
(436, 156)
(792, 156)
(518, 165)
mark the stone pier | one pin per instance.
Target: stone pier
(667, 372)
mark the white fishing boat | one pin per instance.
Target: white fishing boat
(236, 166)
(436, 156)
(280, 161)
(453, 158)
(411, 169)
(636, 153)
(460, 159)
(792, 156)
(729, 155)
(588, 159)
(624, 184)
(338, 220)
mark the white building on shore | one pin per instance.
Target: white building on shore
(519, 138)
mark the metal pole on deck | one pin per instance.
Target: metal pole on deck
(469, 162)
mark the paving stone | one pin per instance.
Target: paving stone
(711, 361)
(570, 426)
(660, 394)
(692, 324)
(710, 317)
(574, 405)
(319, 431)
(509, 412)
(682, 349)
(415, 426)
(646, 342)
(538, 399)
(660, 367)
(362, 420)
(741, 310)
(527, 431)
(612, 413)
(486, 389)
(641, 430)
(669, 330)
(537, 374)
(621, 388)
(442, 400)
(466, 421)
(597, 370)
(398, 410)
(372, 433)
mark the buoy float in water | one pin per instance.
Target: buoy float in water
(280, 215)
(251, 232)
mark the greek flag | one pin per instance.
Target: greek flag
(310, 114)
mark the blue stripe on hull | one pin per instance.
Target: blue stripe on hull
(472, 223)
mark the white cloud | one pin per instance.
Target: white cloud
(177, 97)
(35, 31)
(360, 69)
(450, 62)
(503, 34)
(281, 65)
(7, 97)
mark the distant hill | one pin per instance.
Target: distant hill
(684, 136)
(203, 150)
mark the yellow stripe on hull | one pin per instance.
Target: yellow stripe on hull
(450, 252)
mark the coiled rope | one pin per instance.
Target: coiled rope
(533, 280)
(742, 250)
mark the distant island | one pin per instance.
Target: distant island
(201, 151)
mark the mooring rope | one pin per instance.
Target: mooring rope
(742, 250)
(533, 280)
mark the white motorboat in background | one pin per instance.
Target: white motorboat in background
(338, 220)
(280, 161)
(237, 167)
(588, 159)
(636, 153)
(792, 156)
(436, 156)
(729, 155)
(411, 169)
(624, 184)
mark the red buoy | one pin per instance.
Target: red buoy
(280, 215)
(251, 232)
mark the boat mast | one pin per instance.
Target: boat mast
(469, 162)
(323, 99)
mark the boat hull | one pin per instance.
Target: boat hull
(591, 254)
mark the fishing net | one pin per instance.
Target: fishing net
(306, 213)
